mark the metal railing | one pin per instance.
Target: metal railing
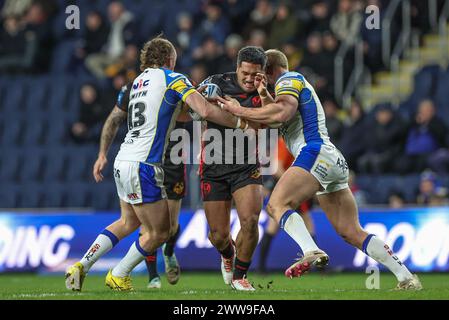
(386, 31)
(442, 30)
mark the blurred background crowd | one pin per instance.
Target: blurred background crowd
(57, 86)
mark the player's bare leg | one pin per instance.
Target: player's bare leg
(218, 219)
(172, 268)
(156, 220)
(171, 263)
(105, 241)
(271, 230)
(341, 210)
(248, 201)
(295, 186)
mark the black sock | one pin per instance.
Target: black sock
(170, 244)
(228, 252)
(265, 244)
(241, 268)
(151, 262)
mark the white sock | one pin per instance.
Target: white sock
(381, 252)
(104, 242)
(293, 224)
(134, 256)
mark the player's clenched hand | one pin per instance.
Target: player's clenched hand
(229, 104)
(260, 82)
(99, 165)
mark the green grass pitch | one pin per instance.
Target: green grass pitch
(210, 286)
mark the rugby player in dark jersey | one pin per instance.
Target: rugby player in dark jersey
(223, 182)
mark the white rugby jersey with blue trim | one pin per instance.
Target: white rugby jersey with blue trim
(152, 110)
(308, 125)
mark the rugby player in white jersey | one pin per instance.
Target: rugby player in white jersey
(152, 110)
(319, 168)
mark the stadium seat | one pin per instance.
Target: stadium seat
(78, 195)
(31, 195)
(31, 167)
(54, 162)
(9, 195)
(12, 132)
(54, 195)
(35, 131)
(9, 166)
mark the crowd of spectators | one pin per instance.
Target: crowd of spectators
(207, 35)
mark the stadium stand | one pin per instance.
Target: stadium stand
(41, 166)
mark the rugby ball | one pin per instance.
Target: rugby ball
(212, 91)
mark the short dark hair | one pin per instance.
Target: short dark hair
(156, 52)
(252, 54)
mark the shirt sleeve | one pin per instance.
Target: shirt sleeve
(182, 88)
(123, 97)
(289, 86)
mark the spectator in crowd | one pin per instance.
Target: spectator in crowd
(283, 27)
(95, 36)
(439, 198)
(122, 33)
(293, 53)
(238, 12)
(15, 8)
(17, 46)
(198, 73)
(333, 123)
(428, 187)
(128, 64)
(384, 141)
(359, 194)
(351, 144)
(209, 54)
(261, 17)
(396, 200)
(228, 61)
(330, 47)
(257, 38)
(345, 24)
(28, 42)
(426, 135)
(311, 64)
(91, 112)
(372, 41)
(215, 25)
(319, 17)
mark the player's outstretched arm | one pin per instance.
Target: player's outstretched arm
(110, 128)
(278, 112)
(213, 113)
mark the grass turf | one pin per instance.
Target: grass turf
(210, 286)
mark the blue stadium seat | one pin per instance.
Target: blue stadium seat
(80, 162)
(54, 163)
(31, 195)
(35, 131)
(54, 195)
(9, 195)
(10, 164)
(105, 196)
(12, 132)
(57, 133)
(79, 195)
(31, 168)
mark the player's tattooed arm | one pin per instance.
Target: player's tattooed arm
(279, 112)
(110, 128)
